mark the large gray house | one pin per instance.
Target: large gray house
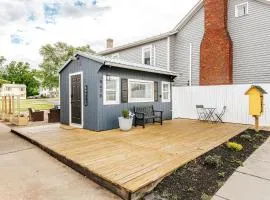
(218, 42)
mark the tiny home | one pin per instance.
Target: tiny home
(95, 89)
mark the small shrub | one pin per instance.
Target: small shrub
(246, 137)
(258, 136)
(234, 146)
(239, 162)
(213, 161)
(220, 184)
(255, 146)
(206, 197)
(221, 174)
(125, 113)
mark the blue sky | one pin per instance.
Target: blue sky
(26, 25)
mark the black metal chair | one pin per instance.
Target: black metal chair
(200, 112)
(143, 114)
(220, 115)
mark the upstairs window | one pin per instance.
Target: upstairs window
(147, 55)
(241, 9)
(111, 90)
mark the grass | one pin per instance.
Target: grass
(36, 104)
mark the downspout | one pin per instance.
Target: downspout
(190, 64)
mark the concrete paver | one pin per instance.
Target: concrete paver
(256, 168)
(28, 173)
(245, 187)
(252, 181)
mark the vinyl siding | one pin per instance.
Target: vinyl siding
(134, 54)
(251, 43)
(192, 32)
(108, 114)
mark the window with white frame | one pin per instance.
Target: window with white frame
(140, 91)
(166, 92)
(147, 55)
(111, 89)
(241, 9)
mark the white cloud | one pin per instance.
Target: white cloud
(123, 20)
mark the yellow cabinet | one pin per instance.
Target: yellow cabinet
(256, 102)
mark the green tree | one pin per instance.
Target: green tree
(54, 56)
(2, 61)
(2, 81)
(21, 73)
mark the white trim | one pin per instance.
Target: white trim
(168, 53)
(165, 83)
(69, 102)
(143, 50)
(237, 9)
(190, 63)
(133, 100)
(117, 101)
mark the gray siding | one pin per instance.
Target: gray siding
(90, 78)
(134, 54)
(192, 32)
(251, 43)
(96, 115)
(108, 114)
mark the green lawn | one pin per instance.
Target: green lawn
(36, 104)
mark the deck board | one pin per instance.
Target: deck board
(135, 159)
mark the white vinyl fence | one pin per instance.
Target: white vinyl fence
(185, 99)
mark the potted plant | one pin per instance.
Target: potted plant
(20, 120)
(125, 121)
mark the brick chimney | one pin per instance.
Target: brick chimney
(216, 47)
(109, 43)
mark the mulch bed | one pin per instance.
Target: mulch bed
(197, 180)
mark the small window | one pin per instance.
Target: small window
(166, 92)
(241, 9)
(140, 91)
(115, 56)
(111, 90)
(8, 88)
(22, 89)
(147, 55)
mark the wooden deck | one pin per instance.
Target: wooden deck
(130, 163)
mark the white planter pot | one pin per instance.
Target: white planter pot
(125, 124)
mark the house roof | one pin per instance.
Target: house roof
(176, 29)
(258, 88)
(137, 43)
(120, 63)
(14, 85)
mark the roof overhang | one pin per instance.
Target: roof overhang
(123, 64)
(137, 43)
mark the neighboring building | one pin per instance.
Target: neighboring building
(218, 42)
(95, 89)
(13, 90)
(50, 93)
